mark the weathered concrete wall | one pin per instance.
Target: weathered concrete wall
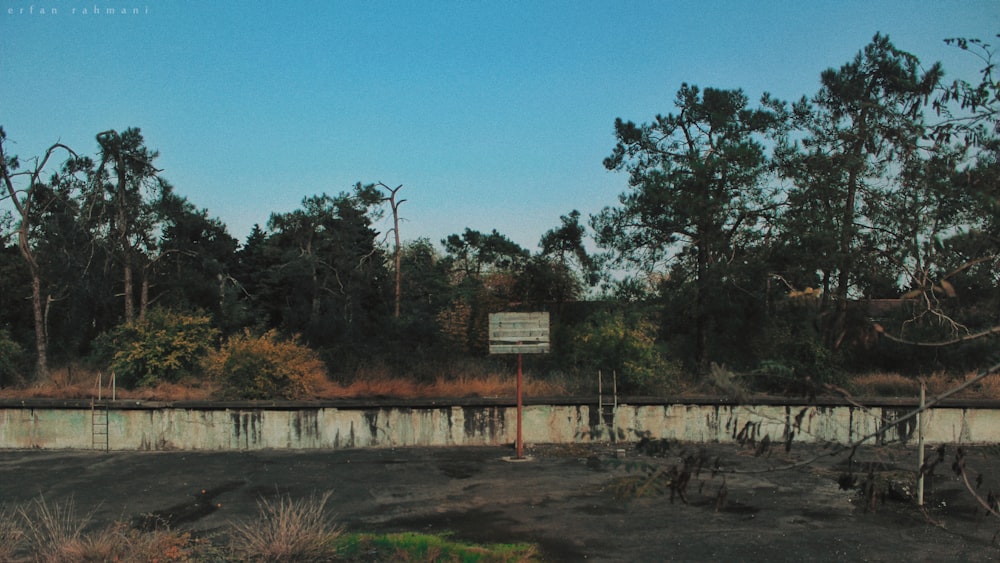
(133, 426)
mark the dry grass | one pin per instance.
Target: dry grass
(11, 533)
(459, 381)
(56, 534)
(287, 531)
(459, 387)
(895, 385)
(78, 383)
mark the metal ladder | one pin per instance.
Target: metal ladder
(99, 425)
(607, 408)
(99, 415)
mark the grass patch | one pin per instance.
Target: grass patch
(410, 546)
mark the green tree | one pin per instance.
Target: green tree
(126, 190)
(324, 275)
(864, 123)
(484, 271)
(194, 257)
(475, 254)
(698, 186)
(24, 197)
(561, 271)
(426, 292)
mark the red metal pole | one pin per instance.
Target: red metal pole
(520, 444)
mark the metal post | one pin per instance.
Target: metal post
(920, 443)
(600, 395)
(520, 443)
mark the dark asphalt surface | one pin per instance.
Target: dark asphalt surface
(564, 498)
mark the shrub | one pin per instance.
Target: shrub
(164, 347)
(287, 531)
(265, 367)
(627, 345)
(11, 359)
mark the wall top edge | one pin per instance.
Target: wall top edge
(384, 402)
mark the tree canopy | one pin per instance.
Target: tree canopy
(791, 242)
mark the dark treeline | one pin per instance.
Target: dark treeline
(843, 232)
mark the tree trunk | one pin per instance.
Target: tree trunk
(41, 338)
(128, 290)
(398, 261)
(700, 314)
(144, 295)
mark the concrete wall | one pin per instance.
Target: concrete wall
(136, 426)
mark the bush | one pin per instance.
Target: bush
(627, 345)
(265, 367)
(164, 347)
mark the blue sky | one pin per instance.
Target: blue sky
(492, 114)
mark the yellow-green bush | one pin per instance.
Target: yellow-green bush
(164, 347)
(627, 345)
(265, 367)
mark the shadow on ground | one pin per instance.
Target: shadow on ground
(579, 502)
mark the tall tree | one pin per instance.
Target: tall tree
(697, 185)
(126, 189)
(24, 198)
(484, 270)
(326, 274)
(864, 123)
(563, 269)
(195, 256)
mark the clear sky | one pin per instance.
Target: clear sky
(492, 114)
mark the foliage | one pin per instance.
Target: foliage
(319, 271)
(790, 352)
(878, 194)
(697, 189)
(856, 169)
(969, 110)
(626, 344)
(287, 530)
(265, 367)
(164, 347)
(11, 359)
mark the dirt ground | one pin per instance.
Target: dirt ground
(576, 502)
